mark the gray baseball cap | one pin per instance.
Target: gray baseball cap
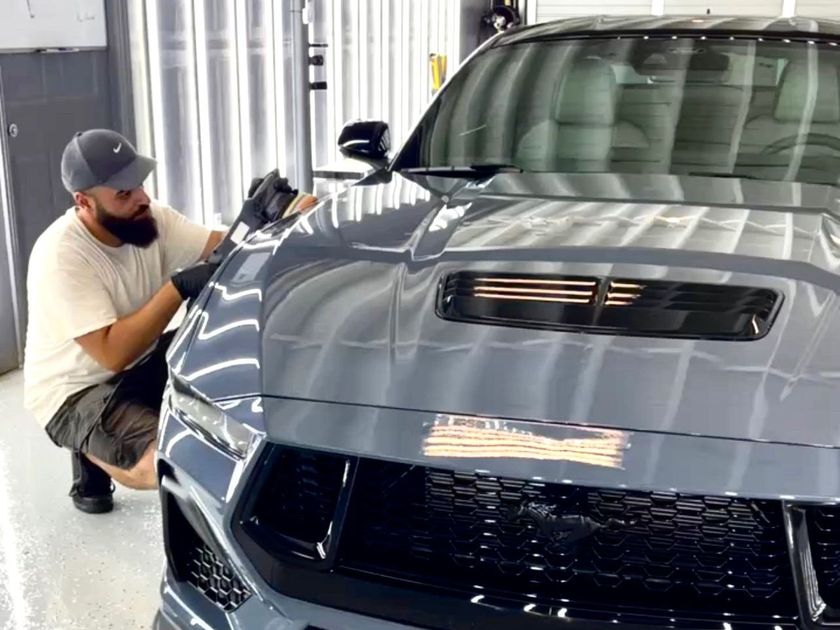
(101, 157)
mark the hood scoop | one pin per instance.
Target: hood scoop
(612, 306)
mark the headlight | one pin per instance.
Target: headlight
(232, 437)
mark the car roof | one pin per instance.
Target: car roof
(701, 24)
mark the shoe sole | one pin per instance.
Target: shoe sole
(93, 506)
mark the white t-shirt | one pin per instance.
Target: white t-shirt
(77, 284)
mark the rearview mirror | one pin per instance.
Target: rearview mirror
(366, 140)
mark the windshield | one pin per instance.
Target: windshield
(722, 107)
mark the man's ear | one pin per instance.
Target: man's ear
(83, 200)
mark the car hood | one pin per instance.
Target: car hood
(340, 306)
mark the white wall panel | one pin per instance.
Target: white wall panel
(724, 7)
(818, 8)
(547, 10)
(30, 25)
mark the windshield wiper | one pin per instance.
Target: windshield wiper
(723, 175)
(470, 170)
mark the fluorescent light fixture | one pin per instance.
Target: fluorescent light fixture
(275, 70)
(362, 59)
(202, 70)
(242, 104)
(141, 91)
(156, 90)
(332, 58)
(788, 8)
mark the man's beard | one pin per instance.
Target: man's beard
(141, 232)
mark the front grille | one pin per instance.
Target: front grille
(608, 305)
(400, 533)
(556, 543)
(824, 535)
(298, 496)
(214, 578)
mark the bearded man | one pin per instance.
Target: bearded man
(104, 281)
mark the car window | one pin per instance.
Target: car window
(668, 105)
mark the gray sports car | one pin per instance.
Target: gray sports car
(570, 357)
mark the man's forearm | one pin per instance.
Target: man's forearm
(212, 242)
(128, 338)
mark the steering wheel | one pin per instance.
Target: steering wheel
(816, 139)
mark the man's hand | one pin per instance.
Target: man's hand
(189, 282)
(213, 241)
(300, 204)
(304, 203)
(255, 183)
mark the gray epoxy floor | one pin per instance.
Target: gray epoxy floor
(59, 568)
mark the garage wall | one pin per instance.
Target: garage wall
(213, 95)
(48, 97)
(818, 8)
(724, 7)
(545, 10)
(10, 325)
(377, 61)
(215, 98)
(210, 98)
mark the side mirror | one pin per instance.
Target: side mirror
(366, 140)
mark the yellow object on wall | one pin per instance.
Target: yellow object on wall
(437, 64)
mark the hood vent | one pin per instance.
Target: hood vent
(614, 306)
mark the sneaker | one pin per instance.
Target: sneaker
(92, 490)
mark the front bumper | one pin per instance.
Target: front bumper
(207, 485)
(162, 622)
(201, 481)
(183, 608)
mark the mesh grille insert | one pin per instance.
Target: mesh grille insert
(215, 579)
(194, 562)
(656, 551)
(824, 536)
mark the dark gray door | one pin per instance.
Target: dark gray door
(47, 97)
(9, 330)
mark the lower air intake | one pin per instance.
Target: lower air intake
(215, 579)
(193, 561)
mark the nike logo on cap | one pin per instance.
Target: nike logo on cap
(119, 146)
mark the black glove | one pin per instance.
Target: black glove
(255, 183)
(269, 196)
(190, 281)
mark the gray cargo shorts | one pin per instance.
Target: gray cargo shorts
(115, 421)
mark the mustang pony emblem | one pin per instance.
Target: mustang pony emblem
(564, 527)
